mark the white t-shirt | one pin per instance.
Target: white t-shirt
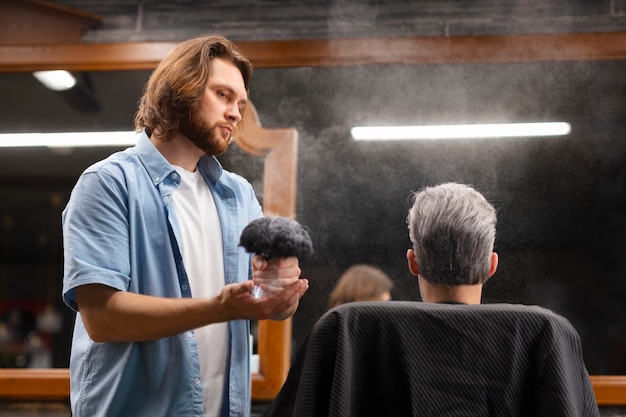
(203, 257)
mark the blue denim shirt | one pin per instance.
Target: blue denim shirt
(119, 229)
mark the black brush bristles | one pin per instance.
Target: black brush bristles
(276, 237)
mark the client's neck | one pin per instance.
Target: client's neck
(437, 293)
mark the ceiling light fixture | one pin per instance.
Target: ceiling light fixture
(57, 80)
(68, 139)
(461, 131)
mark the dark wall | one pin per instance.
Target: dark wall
(140, 20)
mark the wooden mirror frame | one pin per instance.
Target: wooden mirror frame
(274, 337)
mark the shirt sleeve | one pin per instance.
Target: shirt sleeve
(96, 235)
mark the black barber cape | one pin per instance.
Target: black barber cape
(401, 358)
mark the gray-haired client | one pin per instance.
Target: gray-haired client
(453, 231)
(449, 355)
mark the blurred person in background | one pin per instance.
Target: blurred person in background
(361, 282)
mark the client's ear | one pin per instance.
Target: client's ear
(494, 264)
(412, 260)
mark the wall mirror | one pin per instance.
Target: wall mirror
(560, 236)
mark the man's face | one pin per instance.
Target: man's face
(212, 122)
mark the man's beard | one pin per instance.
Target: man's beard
(201, 134)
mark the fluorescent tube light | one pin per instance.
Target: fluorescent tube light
(460, 131)
(58, 80)
(68, 139)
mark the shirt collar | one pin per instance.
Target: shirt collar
(159, 168)
(211, 168)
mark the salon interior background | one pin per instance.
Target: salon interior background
(561, 201)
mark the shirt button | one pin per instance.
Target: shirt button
(184, 287)
(174, 175)
(166, 198)
(196, 381)
(190, 334)
(157, 179)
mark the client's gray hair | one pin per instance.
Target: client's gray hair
(453, 230)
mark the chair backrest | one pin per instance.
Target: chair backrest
(420, 359)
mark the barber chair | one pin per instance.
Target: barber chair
(401, 358)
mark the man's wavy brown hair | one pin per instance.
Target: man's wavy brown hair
(178, 82)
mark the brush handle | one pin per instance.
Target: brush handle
(257, 292)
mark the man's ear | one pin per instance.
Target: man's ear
(494, 264)
(412, 260)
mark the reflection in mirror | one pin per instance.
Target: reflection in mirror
(33, 329)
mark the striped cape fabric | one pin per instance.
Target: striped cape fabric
(401, 358)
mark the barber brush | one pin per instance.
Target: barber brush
(276, 237)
